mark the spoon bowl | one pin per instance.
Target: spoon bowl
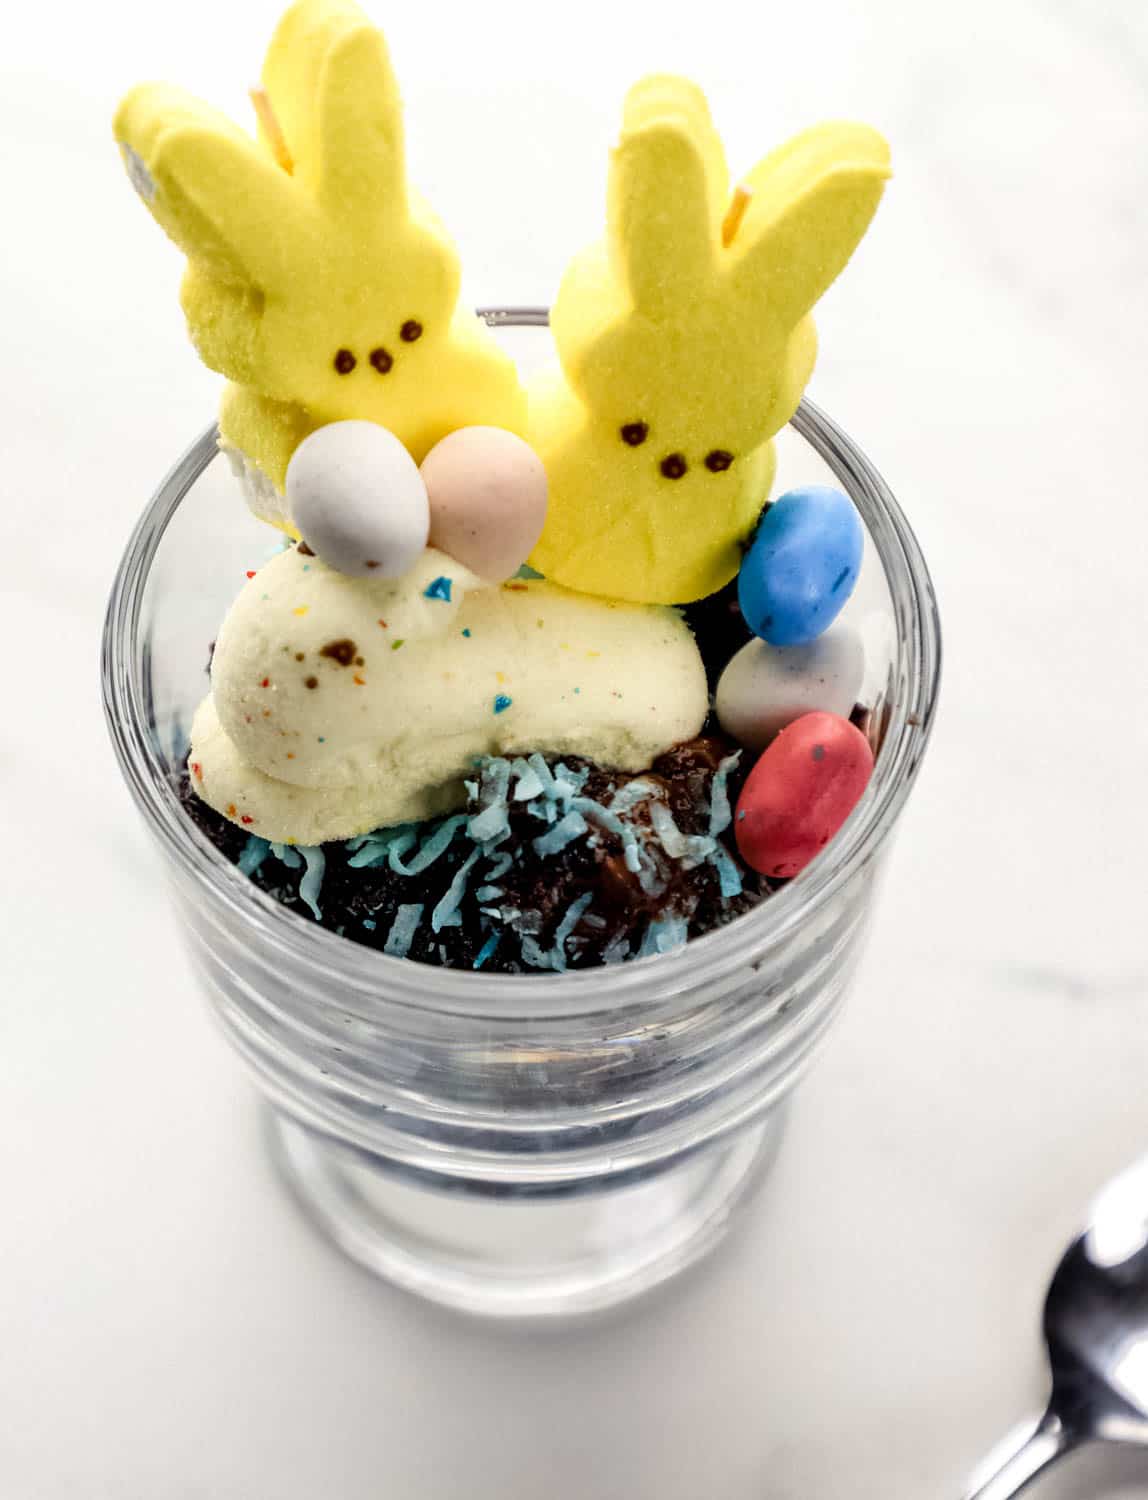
(1096, 1329)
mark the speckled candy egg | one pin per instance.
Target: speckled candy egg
(358, 500)
(764, 687)
(800, 792)
(801, 566)
(487, 492)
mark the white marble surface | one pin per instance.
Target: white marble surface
(169, 1327)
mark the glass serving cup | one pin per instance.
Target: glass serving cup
(532, 1145)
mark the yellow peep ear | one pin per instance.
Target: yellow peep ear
(667, 190)
(210, 186)
(329, 78)
(812, 200)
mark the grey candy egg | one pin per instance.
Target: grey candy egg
(763, 688)
(358, 500)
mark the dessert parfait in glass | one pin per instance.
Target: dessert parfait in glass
(525, 827)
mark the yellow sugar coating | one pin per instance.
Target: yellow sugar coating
(682, 355)
(329, 291)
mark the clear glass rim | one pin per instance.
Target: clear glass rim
(331, 960)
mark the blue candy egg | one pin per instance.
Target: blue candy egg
(802, 565)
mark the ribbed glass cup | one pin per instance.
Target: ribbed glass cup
(512, 1145)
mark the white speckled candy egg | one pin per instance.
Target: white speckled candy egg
(764, 687)
(487, 492)
(358, 500)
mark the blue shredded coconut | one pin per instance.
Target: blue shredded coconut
(664, 935)
(572, 827)
(616, 950)
(627, 797)
(439, 588)
(690, 849)
(729, 876)
(495, 783)
(437, 842)
(499, 865)
(403, 929)
(554, 797)
(399, 846)
(446, 913)
(568, 923)
(374, 848)
(502, 703)
(255, 851)
(529, 786)
(490, 824)
(312, 881)
(486, 950)
(719, 794)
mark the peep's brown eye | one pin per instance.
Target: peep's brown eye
(381, 360)
(635, 433)
(412, 329)
(674, 465)
(718, 460)
(344, 361)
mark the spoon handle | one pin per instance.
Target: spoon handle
(1021, 1458)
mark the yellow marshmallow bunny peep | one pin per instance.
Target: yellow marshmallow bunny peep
(318, 282)
(685, 348)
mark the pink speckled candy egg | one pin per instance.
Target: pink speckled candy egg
(799, 793)
(487, 492)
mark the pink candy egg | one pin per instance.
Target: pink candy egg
(799, 793)
(487, 491)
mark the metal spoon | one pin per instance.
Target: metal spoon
(1096, 1327)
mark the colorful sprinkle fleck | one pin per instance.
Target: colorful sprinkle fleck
(396, 644)
(266, 682)
(247, 819)
(383, 623)
(502, 703)
(251, 572)
(197, 770)
(359, 681)
(466, 632)
(301, 609)
(438, 589)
